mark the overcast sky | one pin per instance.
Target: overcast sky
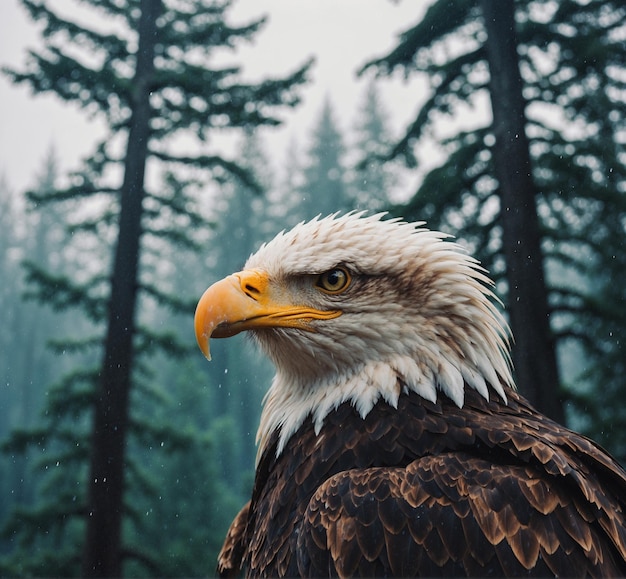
(341, 34)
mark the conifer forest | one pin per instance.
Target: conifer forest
(123, 452)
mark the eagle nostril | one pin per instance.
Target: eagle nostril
(251, 291)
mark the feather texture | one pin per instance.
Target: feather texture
(392, 441)
(431, 489)
(420, 310)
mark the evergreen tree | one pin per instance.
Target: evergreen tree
(588, 163)
(152, 79)
(9, 292)
(569, 54)
(11, 398)
(282, 211)
(372, 180)
(534, 354)
(25, 363)
(324, 184)
(32, 473)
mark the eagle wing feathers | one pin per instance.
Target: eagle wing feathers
(439, 490)
(451, 514)
(230, 558)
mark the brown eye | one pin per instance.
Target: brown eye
(334, 280)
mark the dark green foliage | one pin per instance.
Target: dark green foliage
(25, 365)
(61, 292)
(572, 60)
(57, 452)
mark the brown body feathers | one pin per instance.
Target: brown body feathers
(433, 490)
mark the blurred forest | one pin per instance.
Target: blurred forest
(123, 450)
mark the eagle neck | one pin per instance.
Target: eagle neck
(289, 401)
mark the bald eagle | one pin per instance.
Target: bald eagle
(392, 441)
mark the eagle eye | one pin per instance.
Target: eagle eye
(334, 280)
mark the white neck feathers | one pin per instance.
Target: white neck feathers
(288, 405)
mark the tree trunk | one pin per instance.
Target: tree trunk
(102, 551)
(534, 354)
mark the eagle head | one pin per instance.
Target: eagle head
(361, 308)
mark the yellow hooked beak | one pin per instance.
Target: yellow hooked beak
(248, 300)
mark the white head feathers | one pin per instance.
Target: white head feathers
(417, 316)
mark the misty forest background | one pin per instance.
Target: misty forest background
(123, 450)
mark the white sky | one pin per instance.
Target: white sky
(341, 34)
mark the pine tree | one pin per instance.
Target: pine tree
(569, 55)
(282, 211)
(9, 292)
(26, 236)
(152, 79)
(588, 164)
(534, 354)
(372, 180)
(33, 465)
(13, 485)
(324, 184)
